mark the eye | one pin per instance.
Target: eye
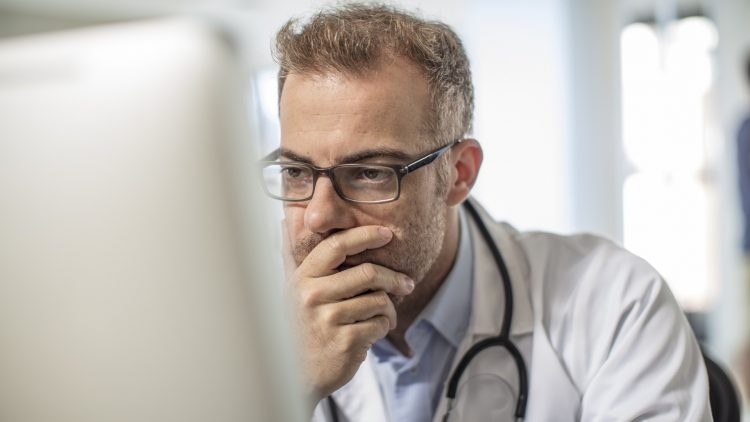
(292, 172)
(373, 174)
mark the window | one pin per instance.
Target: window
(669, 194)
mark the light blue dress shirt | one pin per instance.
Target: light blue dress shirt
(413, 386)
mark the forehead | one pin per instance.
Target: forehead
(325, 116)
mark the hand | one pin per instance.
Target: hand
(341, 314)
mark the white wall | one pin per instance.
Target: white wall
(517, 52)
(593, 88)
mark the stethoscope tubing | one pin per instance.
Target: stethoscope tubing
(503, 338)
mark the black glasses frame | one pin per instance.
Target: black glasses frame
(401, 172)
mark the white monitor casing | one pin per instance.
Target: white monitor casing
(136, 270)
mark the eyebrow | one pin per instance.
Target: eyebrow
(350, 158)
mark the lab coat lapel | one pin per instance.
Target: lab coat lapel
(552, 394)
(360, 400)
(488, 305)
(559, 400)
(489, 295)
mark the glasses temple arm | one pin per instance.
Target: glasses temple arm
(427, 159)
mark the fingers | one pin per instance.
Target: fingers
(362, 308)
(368, 332)
(341, 314)
(331, 252)
(365, 277)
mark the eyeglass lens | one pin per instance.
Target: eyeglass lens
(369, 183)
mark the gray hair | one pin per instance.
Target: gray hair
(353, 38)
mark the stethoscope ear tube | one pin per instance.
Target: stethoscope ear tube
(333, 409)
(500, 262)
(502, 339)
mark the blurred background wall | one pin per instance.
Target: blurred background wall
(615, 117)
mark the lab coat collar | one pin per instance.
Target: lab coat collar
(489, 297)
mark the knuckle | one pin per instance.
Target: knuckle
(309, 298)
(380, 299)
(349, 341)
(368, 271)
(331, 315)
(293, 279)
(334, 245)
(383, 324)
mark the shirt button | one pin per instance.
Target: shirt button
(414, 370)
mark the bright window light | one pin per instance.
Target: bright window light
(668, 211)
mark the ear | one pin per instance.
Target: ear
(465, 159)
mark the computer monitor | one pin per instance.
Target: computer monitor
(136, 276)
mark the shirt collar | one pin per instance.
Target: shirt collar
(449, 311)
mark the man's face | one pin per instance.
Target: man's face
(332, 119)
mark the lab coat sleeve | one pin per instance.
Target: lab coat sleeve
(635, 357)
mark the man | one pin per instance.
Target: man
(394, 280)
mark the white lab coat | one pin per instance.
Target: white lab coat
(602, 337)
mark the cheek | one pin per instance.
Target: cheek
(417, 198)
(418, 188)
(399, 220)
(416, 212)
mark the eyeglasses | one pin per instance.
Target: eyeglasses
(359, 183)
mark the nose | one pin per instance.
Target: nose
(327, 212)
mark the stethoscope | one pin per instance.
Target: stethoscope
(501, 340)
